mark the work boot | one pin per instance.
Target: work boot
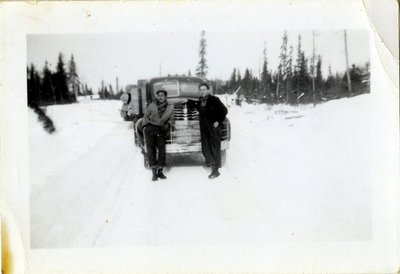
(154, 178)
(160, 174)
(214, 172)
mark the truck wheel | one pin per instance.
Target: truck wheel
(223, 157)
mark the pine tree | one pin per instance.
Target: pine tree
(102, 91)
(330, 83)
(79, 91)
(48, 90)
(106, 93)
(289, 77)
(29, 83)
(73, 78)
(239, 78)
(282, 68)
(255, 87)
(366, 77)
(232, 81)
(301, 76)
(265, 81)
(111, 91)
(318, 77)
(33, 85)
(38, 87)
(246, 83)
(201, 70)
(60, 81)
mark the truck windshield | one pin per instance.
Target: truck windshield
(172, 87)
(176, 88)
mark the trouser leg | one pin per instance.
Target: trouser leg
(151, 147)
(217, 153)
(211, 146)
(161, 151)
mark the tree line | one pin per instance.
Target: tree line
(297, 79)
(62, 86)
(107, 92)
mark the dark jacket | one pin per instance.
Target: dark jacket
(215, 109)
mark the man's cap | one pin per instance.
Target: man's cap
(163, 91)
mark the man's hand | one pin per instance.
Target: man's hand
(216, 124)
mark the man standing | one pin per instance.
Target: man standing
(157, 120)
(212, 113)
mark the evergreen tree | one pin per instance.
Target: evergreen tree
(330, 84)
(48, 90)
(73, 79)
(282, 68)
(366, 77)
(356, 76)
(265, 81)
(201, 70)
(60, 82)
(289, 77)
(33, 85)
(106, 93)
(331, 79)
(255, 87)
(239, 78)
(102, 91)
(38, 87)
(232, 81)
(301, 76)
(79, 91)
(111, 92)
(318, 77)
(246, 83)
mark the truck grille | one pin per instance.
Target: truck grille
(185, 114)
(187, 127)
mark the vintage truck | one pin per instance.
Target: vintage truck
(184, 136)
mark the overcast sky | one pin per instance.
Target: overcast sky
(133, 56)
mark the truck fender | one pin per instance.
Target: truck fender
(139, 136)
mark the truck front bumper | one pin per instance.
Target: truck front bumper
(191, 148)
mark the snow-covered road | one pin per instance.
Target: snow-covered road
(292, 174)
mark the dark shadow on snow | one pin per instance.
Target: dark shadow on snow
(192, 159)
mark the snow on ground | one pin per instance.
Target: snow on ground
(292, 174)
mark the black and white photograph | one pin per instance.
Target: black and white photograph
(152, 138)
(227, 145)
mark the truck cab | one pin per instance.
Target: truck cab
(184, 137)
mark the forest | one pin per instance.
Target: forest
(298, 79)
